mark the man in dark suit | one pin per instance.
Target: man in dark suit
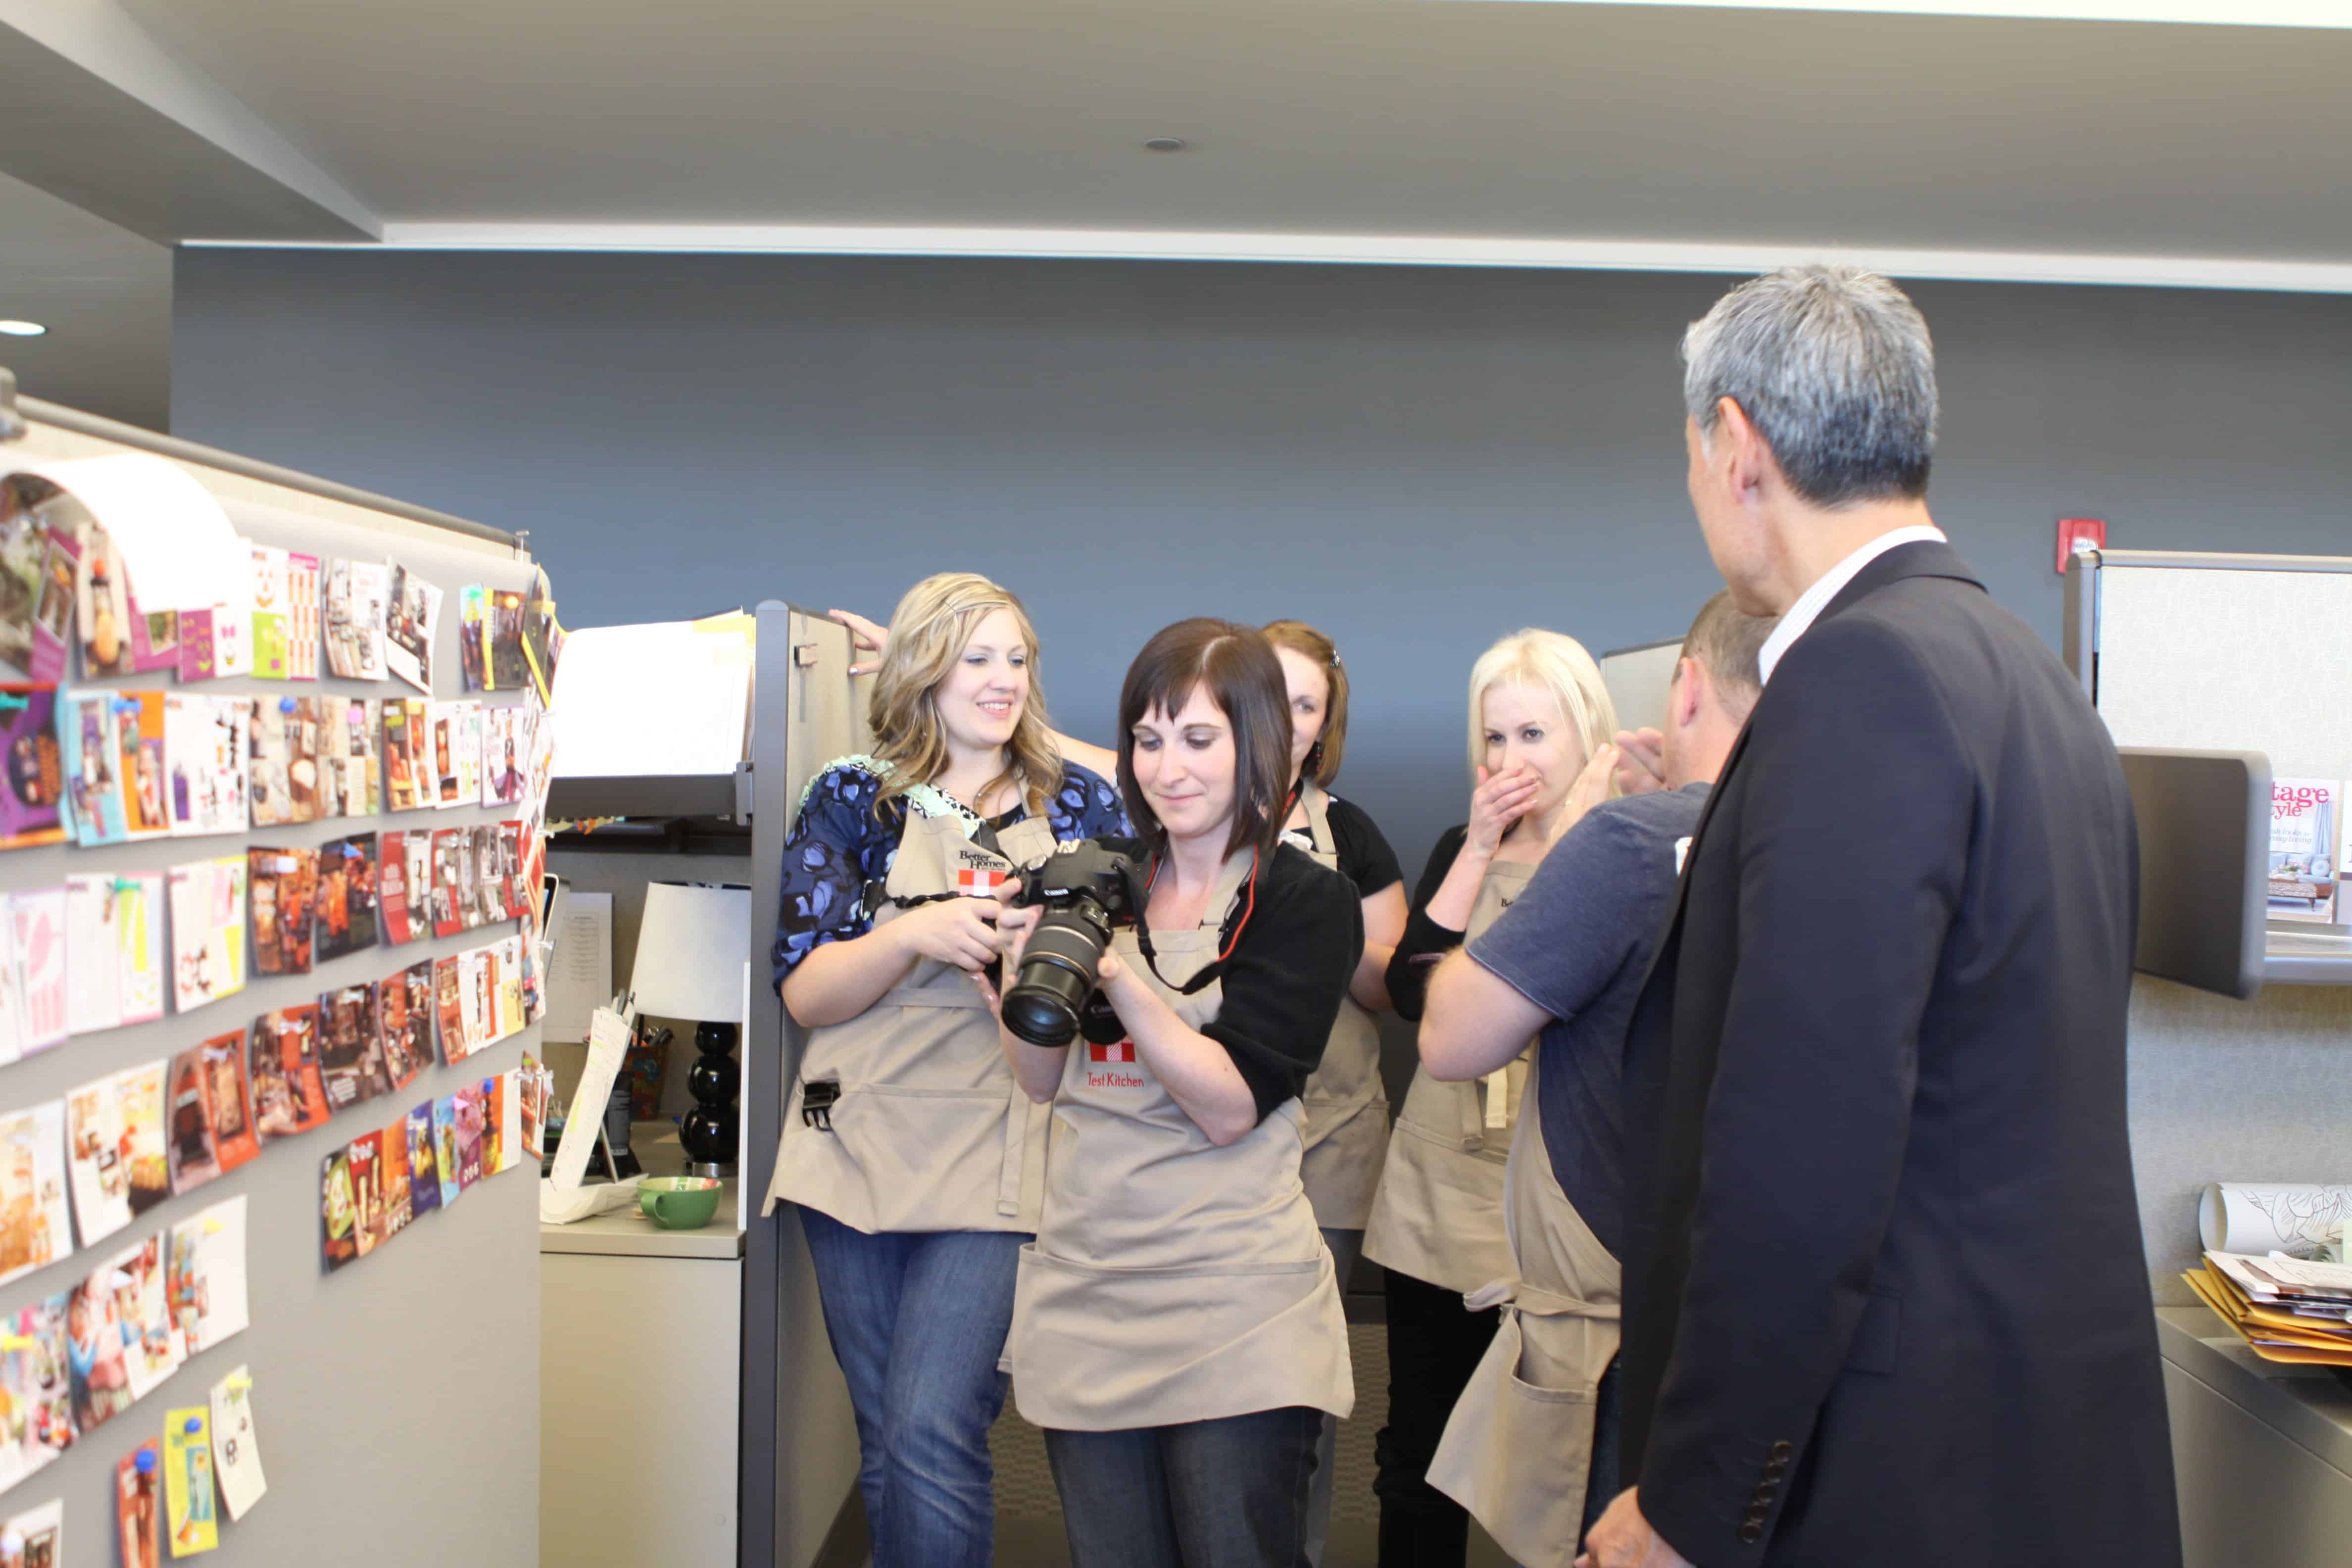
(1885, 1299)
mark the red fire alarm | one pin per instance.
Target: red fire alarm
(2078, 533)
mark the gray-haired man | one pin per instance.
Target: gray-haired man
(1885, 1299)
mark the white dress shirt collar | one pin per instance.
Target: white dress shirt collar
(1809, 603)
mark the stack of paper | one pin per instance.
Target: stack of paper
(2287, 1309)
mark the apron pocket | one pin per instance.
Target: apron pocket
(1517, 1455)
(918, 1159)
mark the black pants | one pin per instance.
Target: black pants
(1434, 1344)
(1230, 1493)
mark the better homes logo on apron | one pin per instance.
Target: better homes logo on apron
(1117, 1052)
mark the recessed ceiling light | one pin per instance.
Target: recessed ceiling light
(23, 329)
(1165, 144)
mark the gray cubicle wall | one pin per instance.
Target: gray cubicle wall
(2220, 652)
(396, 1401)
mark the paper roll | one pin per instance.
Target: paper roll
(2257, 1217)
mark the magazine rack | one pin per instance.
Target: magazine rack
(396, 1400)
(2196, 655)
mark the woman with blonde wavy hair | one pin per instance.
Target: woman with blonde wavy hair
(917, 1165)
(1539, 714)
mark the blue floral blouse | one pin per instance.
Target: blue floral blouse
(839, 844)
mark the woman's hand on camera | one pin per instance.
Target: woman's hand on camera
(959, 931)
(864, 636)
(1500, 800)
(1012, 929)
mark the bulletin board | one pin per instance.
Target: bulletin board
(396, 1399)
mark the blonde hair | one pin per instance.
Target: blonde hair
(1323, 760)
(927, 634)
(1550, 663)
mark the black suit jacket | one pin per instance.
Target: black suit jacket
(1885, 1299)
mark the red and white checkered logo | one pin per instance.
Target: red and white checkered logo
(978, 882)
(1117, 1051)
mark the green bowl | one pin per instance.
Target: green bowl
(679, 1203)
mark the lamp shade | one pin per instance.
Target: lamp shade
(691, 949)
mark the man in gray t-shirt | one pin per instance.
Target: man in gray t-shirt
(1566, 960)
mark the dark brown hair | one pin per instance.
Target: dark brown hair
(1244, 679)
(1729, 645)
(1322, 763)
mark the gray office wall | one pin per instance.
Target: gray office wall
(1416, 460)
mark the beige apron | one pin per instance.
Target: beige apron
(1438, 1214)
(1172, 1281)
(1347, 1107)
(1519, 1447)
(930, 1132)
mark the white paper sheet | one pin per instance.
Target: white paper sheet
(237, 1451)
(209, 1251)
(2256, 1217)
(608, 1042)
(580, 974)
(182, 549)
(660, 698)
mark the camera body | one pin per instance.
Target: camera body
(1088, 889)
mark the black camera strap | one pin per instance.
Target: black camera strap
(874, 896)
(1215, 967)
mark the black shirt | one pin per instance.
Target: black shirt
(1365, 857)
(1287, 973)
(1425, 941)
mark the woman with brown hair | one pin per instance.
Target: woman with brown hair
(916, 1162)
(1177, 1329)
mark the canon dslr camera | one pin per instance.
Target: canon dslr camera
(1087, 889)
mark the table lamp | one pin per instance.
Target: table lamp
(691, 949)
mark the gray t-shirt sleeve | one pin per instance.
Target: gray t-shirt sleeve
(1596, 898)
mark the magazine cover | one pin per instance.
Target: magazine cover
(407, 1029)
(505, 1093)
(230, 1098)
(423, 1170)
(207, 1278)
(351, 778)
(188, 1512)
(505, 750)
(207, 762)
(139, 928)
(97, 1168)
(447, 726)
(478, 984)
(39, 1534)
(509, 668)
(338, 1213)
(289, 1094)
(53, 613)
(362, 1156)
(543, 638)
(410, 784)
(32, 808)
(138, 1506)
(472, 1125)
(37, 920)
(444, 1148)
(143, 1303)
(473, 620)
(466, 732)
(505, 963)
(532, 1109)
(271, 594)
(141, 1092)
(411, 615)
(188, 1139)
(392, 889)
(534, 995)
(24, 548)
(351, 1049)
(489, 899)
(93, 975)
(208, 900)
(302, 618)
(347, 895)
(92, 762)
(356, 595)
(101, 604)
(35, 1228)
(36, 1421)
(139, 737)
(391, 1163)
(97, 1359)
(154, 638)
(450, 1009)
(2303, 848)
(282, 888)
(285, 778)
(450, 860)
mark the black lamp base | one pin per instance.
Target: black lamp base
(712, 1132)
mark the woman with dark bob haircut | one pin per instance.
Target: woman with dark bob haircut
(1176, 1325)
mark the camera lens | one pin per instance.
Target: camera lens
(1056, 975)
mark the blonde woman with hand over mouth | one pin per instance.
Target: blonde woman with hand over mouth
(916, 1162)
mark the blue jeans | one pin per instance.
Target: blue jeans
(918, 1321)
(1228, 1493)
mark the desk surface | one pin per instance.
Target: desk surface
(627, 1233)
(2307, 1405)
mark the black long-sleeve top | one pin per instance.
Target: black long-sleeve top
(1425, 941)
